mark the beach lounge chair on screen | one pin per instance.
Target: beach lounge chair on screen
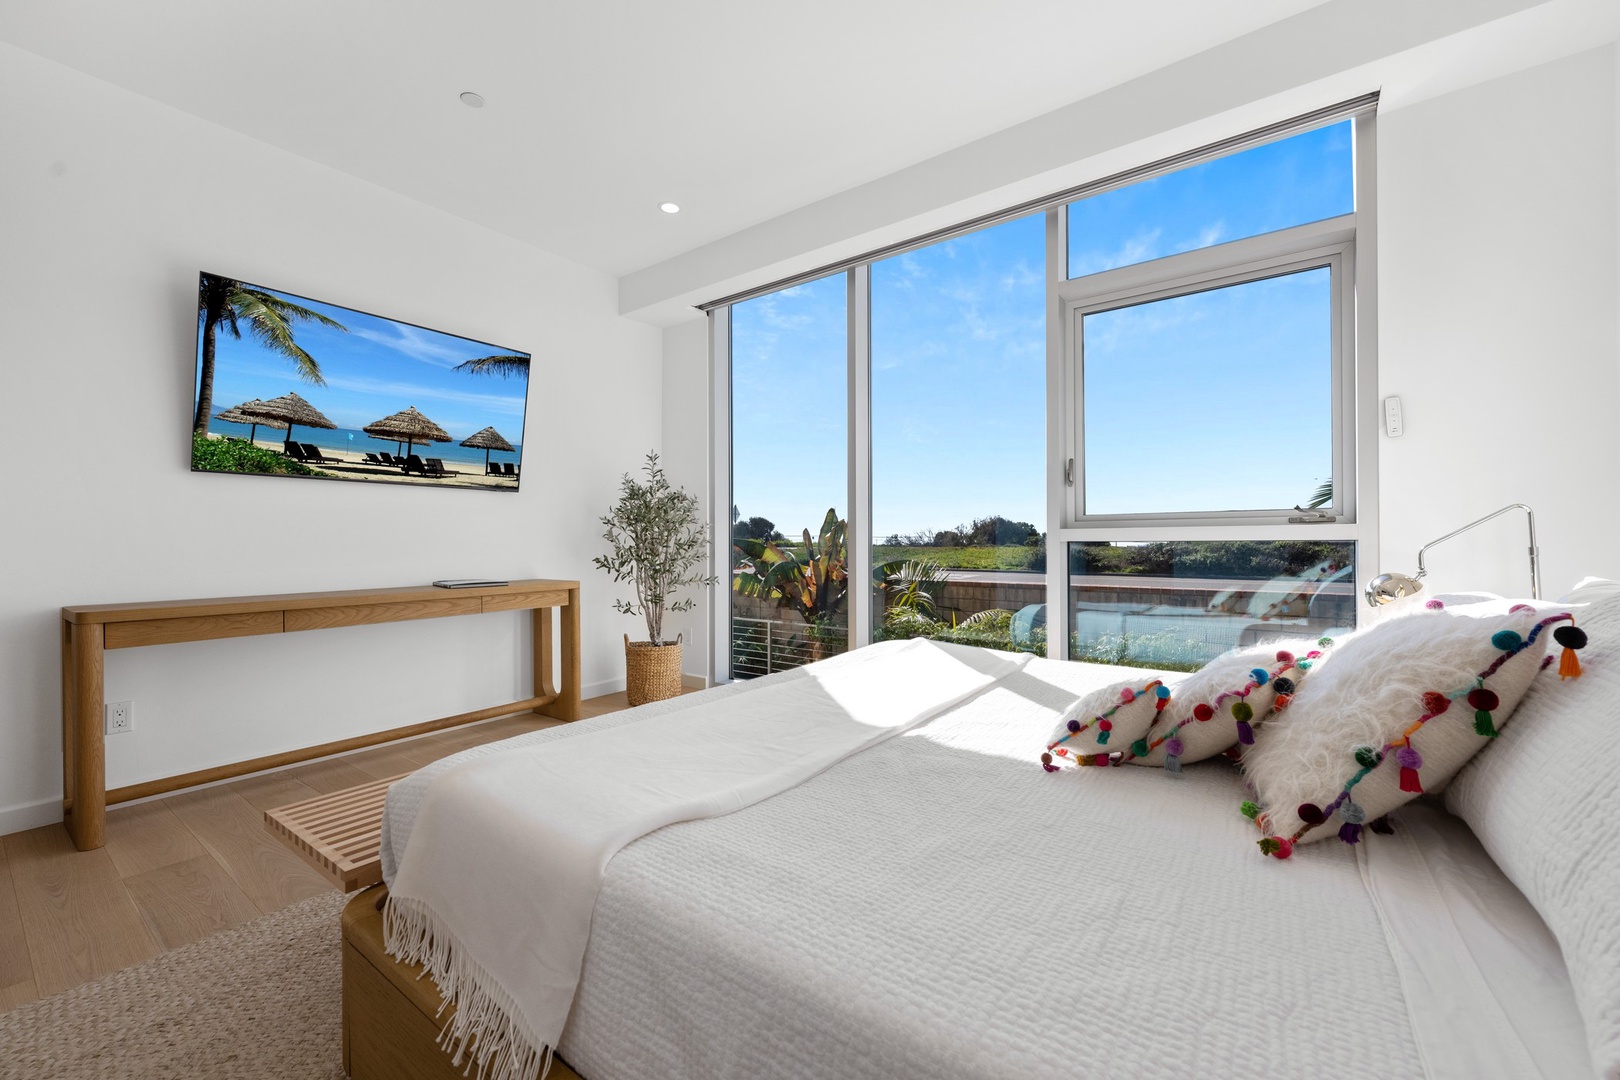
(390, 460)
(493, 469)
(435, 467)
(414, 464)
(511, 470)
(373, 459)
(313, 453)
(294, 451)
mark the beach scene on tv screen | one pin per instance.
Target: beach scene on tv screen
(289, 386)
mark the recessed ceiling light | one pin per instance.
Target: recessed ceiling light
(669, 208)
(472, 100)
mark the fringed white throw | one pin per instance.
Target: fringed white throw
(495, 891)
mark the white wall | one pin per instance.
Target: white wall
(109, 205)
(686, 458)
(1500, 315)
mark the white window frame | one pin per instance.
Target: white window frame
(1322, 245)
(1347, 243)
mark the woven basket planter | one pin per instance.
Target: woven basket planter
(651, 672)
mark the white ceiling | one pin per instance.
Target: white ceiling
(737, 110)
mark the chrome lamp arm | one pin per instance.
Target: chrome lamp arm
(1387, 587)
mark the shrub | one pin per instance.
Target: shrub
(235, 455)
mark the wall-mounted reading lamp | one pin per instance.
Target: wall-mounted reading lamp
(1389, 587)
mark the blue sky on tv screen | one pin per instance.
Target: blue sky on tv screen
(374, 368)
(1221, 398)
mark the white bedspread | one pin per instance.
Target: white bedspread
(939, 907)
(494, 896)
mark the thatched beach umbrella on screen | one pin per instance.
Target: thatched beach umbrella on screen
(290, 409)
(409, 427)
(239, 416)
(487, 440)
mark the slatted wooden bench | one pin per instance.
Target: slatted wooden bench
(339, 834)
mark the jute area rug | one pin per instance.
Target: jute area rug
(260, 1000)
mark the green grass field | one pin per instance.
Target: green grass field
(1005, 557)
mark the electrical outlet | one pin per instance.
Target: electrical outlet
(119, 716)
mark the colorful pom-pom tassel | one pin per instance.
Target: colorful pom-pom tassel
(1242, 710)
(1278, 847)
(1571, 638)
(1324, 642)
(1073, 726)
(1281, 701)
(1250, 810)
(1483, 725)
(1350, 833)
(1435, 703)
(1103, 728)
(1203, 711)
(1172, 764)
(1410, 762)
(1481, 698)
(1139, 748)
(1245, 733)
(1046, 759)
(1259, 676)
(1162, 693)
(1101, 760)
(1050, 768)
(1311, 814)
(1284, 656)
(1352, 812)
(1283, 685)
(1367, 757)
(1507, 640)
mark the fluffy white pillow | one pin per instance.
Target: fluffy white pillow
(1544, 799)
(1218, 706)
(1105, 721)
(1402, 705)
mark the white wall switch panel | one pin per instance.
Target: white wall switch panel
(1393, 424)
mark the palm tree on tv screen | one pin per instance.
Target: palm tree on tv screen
(497, 365)
(235, 306)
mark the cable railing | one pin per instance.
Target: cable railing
(761, 646)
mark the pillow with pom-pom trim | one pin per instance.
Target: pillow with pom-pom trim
(1104, 722)
(1404, 705)
(1220, 705)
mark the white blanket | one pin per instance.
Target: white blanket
(495, 893)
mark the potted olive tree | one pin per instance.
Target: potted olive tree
(659, 543)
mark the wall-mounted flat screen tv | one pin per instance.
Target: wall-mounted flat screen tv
(289, 386)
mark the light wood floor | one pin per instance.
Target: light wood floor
(177, 869)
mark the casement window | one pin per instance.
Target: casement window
(1132, 423)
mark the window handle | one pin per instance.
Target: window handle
(1068, 472)
(1311, 517)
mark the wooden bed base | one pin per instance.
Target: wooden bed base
(390, 1011)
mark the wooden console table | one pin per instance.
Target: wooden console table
(88, 630)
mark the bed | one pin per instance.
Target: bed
(938, 906)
